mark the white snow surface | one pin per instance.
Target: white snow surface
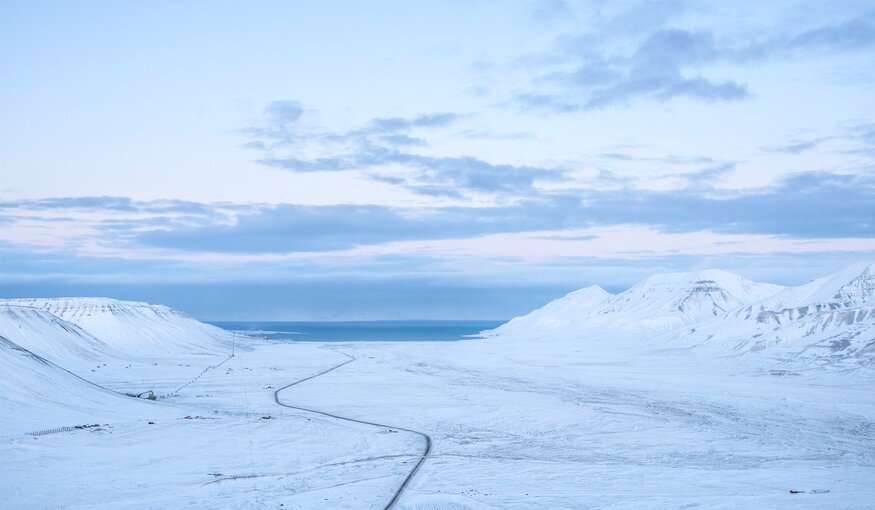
(133, 327)
(51, 337)
(35, 393)
(564, 311)
(689, 390)
(662, 302)
(849, 288)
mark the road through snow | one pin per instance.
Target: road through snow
(426, 450)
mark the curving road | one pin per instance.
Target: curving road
(426, 451)
(395, 496)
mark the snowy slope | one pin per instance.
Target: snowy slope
(50, 337)
(828, 321)
(669, 402)
(135, 328)
(37, 394)
(562, 312)
(852, 287)
(669, 301)
(836, 338)
(663, 302)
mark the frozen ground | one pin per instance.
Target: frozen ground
(221, 443)
(532, 428)
(696, 396)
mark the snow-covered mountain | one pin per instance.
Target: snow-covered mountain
(662, 302)
(562, 312)
(828, 321)
(852, 287)
(672, 300)
(649, 383)
(135, 328)
(49, 347)
(36, 393)
(53, 338)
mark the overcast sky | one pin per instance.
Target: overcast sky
(452, 159)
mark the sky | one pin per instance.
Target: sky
(435, 160)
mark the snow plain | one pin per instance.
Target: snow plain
(689, 390)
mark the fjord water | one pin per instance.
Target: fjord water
(362, 331)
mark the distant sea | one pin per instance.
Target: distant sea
(361, 331)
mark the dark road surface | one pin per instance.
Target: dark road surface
(425, 452)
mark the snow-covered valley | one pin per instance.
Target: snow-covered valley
(699, 389)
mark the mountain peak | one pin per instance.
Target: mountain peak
(716, 275)
(661, 302)
(860, 290)
(704, 281)
(561, 312)
(851, 287)
(593, 292)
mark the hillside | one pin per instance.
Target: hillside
(828, 322)
(135, 328)
(37, 394)
(52, 338)
(662, 302)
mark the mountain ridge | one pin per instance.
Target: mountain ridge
(828, 321)
(133, 327)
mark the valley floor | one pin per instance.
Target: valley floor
(515, 425)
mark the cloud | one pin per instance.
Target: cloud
(474, 174)
(455, 174)
(551, 11)
(283, 123)
(298, 228)
(311, 165)
(107, 225)
(855, 33)
(658, 69)
(384, 287)
(108, 203)
(283, 112)
(618, 61)
(394, 124)
(798, 146)
(302, 257)
(864, 134)
(384, 149)
(844, 206)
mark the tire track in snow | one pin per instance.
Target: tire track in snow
(428, 442)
